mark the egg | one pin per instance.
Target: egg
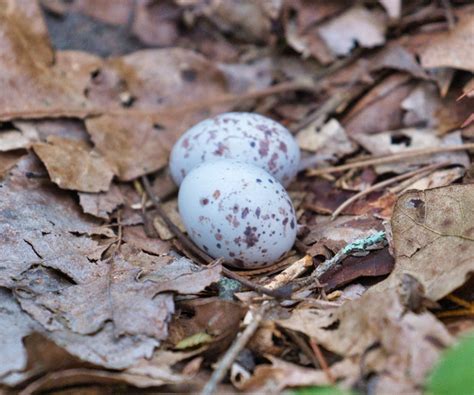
(248, 137)
(237, 211)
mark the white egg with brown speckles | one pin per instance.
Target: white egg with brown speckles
(248, 137)
(237, 211)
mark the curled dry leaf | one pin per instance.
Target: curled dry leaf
(72, 165)
(433, 234)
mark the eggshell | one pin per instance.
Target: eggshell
(248, 137)
(237, 211)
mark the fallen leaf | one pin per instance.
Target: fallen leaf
(398, 141)
(374, 264)
(378, 332)
(433, 239)
(328, 140)
(42, 225)
(218, 318)
(101, 205)
(71, 165)
(281, 374)
(437, 179)
(14, 326)
(136, 236)
(380, 109)
(451, 48)
(356, 25)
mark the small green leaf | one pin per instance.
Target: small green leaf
(320, 391)
(454, 374)
(197, 339)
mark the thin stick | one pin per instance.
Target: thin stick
(233, 351)
(391, 158)
(383, 184)
(322, 361)
(189, 245)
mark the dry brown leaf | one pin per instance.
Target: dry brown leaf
(136, 236)
(218, 318)
(133, 147)
(272, 379)
(9, 160)
(380, 109)
(14, 325)
(171, 208)
(433, 234)
(452, 48)
(27, 59)
(328, 140)
(356, 25)
(336, 234)
(72, 165)
(395, 56)
(101, 205)
(42, 225)
(397, 141)
(437, 179)
(378, 332)
(69, 308)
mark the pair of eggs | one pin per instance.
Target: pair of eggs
(232, 170)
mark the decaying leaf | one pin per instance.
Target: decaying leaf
(433, 234)
(71, 165)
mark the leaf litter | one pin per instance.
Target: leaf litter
(92, 275)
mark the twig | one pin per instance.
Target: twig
(291, 272)
(383, 184)
(360, 245)
(322, 361)
(281, 293)
(391, 158)
(233, 351)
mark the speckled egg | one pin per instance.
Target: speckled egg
(248, 137)
(237, 211)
